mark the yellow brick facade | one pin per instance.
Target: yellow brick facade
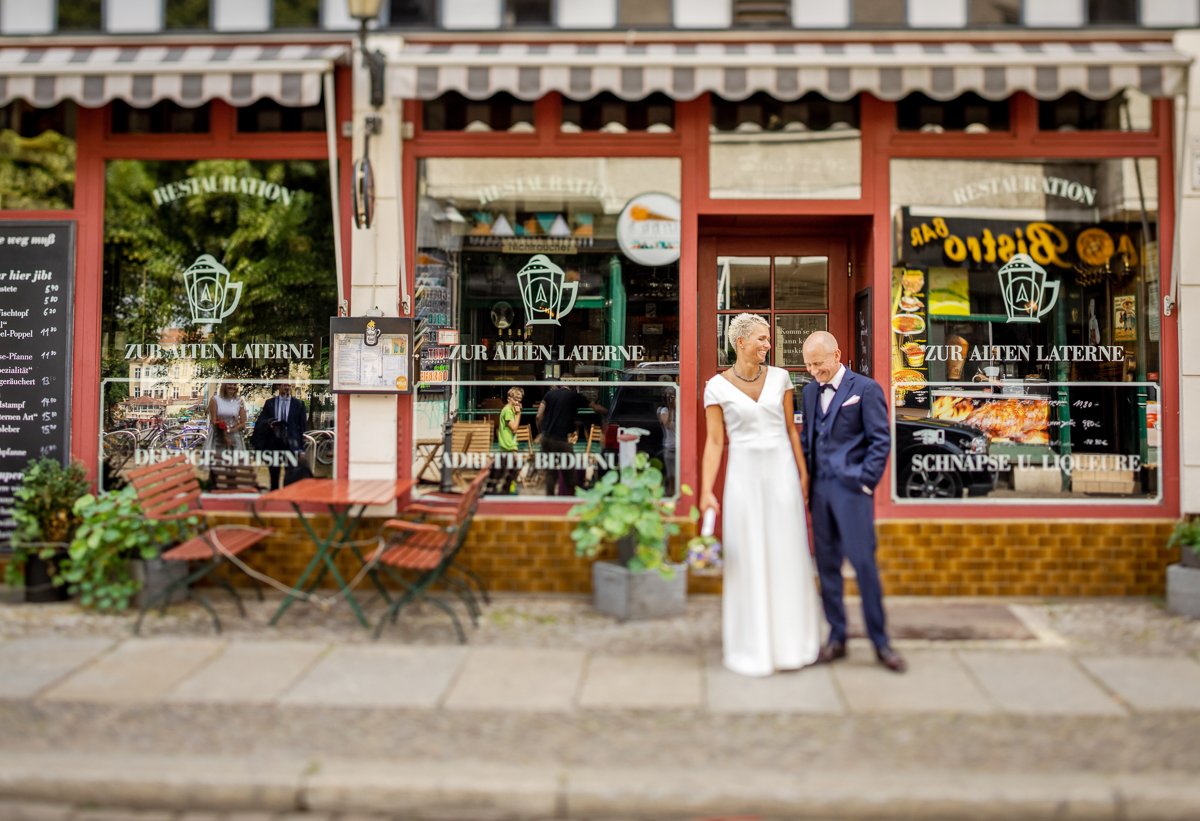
(934, 558)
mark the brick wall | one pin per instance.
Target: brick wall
(941, 558)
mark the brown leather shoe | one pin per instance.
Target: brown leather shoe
(831, 652)
(890, 659)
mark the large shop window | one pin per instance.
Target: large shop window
(548, 320)
(1025, 330)
(218, 288)
(37, 156)
(764, 148)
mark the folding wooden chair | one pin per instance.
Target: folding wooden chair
(429, 453)
(168, 491)
(469, 437)
(429, 550)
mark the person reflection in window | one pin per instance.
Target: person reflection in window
(666, 418)
(506, 440)
(226, 420)
(557, 418)
(281, 427)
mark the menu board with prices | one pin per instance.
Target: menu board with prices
(371, 354)
(37, 274)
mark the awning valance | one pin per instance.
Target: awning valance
(787, 71)
(145, 75)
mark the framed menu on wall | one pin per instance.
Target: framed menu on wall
(371, 354)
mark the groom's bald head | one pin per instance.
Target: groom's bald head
(821, 356)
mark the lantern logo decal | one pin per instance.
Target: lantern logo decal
(208, 289)
(543, 291)
(1024, 287)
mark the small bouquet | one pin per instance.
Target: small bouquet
(704, 551)
(224, 430)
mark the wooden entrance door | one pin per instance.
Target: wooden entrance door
(799, 285)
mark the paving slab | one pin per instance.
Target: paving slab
(518, 678)
(1150, 683)
(379, 675)
(643, 682)
(137, 670)
(250, 672)
(29, 665)
(1039, 684)
(810, 690)
(935, 682)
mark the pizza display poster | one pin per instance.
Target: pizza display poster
(909, 328)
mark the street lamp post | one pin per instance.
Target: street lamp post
(364, 11)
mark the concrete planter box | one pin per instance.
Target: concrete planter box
(1183, 591)
(624, 595)
(155, 575)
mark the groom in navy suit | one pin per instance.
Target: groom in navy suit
(846, 440)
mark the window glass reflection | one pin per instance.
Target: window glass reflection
(790, 332)
(801, 283)
(743, 283)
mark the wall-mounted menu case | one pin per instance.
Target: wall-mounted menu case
(371, 354)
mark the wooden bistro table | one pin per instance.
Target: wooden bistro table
(342, 496)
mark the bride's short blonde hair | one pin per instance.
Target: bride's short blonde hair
(741, 326)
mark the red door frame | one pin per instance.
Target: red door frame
(865, 220)
(95, 146)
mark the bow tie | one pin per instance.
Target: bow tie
(829, 386)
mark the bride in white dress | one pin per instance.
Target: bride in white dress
(770, 613)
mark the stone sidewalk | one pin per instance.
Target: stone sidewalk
(544, 680)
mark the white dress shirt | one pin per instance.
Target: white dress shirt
(827, 396)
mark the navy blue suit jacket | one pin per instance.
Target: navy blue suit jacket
(861, 437)
(297, 425)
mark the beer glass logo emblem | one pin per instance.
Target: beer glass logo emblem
(209, 289)
(371, 334)
(1027, 295)
(543, 291)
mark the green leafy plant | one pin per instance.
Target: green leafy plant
(627, 502)
(43, 511)
(113, 530)
(1186, 535)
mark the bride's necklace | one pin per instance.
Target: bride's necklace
(744, 379)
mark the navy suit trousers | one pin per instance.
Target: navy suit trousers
(844, 525)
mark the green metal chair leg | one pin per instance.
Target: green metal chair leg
(462, 636)
(475, 577)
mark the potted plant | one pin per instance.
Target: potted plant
(43, 511)
(1183, 579)
(115, 552)
(628, 508)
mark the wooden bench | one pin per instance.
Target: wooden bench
(169, 491)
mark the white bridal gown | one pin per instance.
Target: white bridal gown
(770, 614)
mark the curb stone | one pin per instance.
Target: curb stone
(471, 790)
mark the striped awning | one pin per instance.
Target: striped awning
(787, 71)
(145, 75)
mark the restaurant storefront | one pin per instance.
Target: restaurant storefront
(989, 234)
(988, 228)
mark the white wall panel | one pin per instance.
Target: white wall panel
(586, 14)
(820, 14)
(1053, 13)
(1170, 12)
(132, 16)
(471, 14)
(937, 14)
(335, 14)
(27, 16)
(241, 15)
(702, 14)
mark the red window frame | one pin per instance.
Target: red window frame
(95, 146)
(865, 222)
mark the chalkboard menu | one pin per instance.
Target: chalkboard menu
(37, 272)
(862, 331)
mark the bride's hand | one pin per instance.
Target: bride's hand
(709, 500)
